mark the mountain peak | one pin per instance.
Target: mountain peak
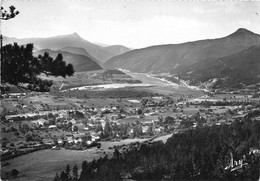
(242, 31)
(75, 34)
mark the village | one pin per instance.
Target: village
(43, 121)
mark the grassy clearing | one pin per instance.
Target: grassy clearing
(43, 165)
(191, 110)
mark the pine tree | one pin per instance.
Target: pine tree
(116, 154)
(68, 171)
(57, 177)
(75, 172)
(107, 129)
(63, 176)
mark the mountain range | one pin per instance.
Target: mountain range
(70, 42)
(232, 59)
(174, 58)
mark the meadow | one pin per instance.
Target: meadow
(44, 164)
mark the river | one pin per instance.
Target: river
(161, 85)
(158, 85)
(148, 79)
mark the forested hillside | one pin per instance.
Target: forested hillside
(233, 71)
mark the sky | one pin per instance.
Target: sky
(133, 23)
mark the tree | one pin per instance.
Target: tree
(68, 171)
(107, 129)
(63, 176)
(21, 69)
(69, 126)
(75, 172)
(57, 177)
(98, 128)
(168, 120)
(14, 172)
(150, 130)
(137, 130)
(116, 154)
(75, 128)
(139, 111)
(4, 15)
(8, 15)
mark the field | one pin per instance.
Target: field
(191, 110)
(43, 165)
(127, 92)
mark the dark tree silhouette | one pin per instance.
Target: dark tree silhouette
(8, 15)
(14, 172)
(68, 171)
(107, 129)
(4, 15)
(20, 68)
(75, 172)
(57, 177)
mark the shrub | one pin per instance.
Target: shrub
(14, 172)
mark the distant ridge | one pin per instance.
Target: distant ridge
(115, 49)
(99, 53)
(174, 58)
(242, 68)
(80, 51)
(79, 62)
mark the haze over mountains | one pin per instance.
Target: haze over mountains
(175, 57)
(80, 51)
(99, 53)
(117, 49)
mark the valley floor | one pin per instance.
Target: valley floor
(161, 110)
